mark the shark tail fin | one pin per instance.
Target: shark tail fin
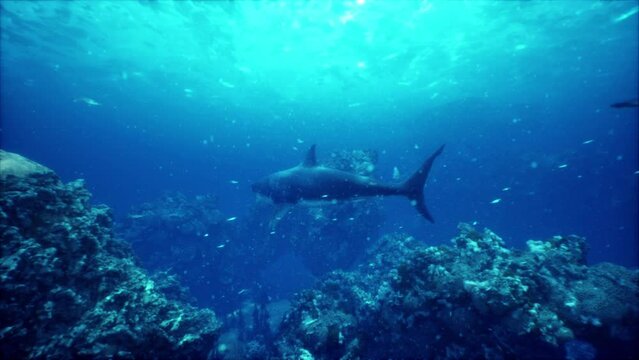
(413, 188)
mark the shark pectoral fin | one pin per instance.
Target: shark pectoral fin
(280, 212)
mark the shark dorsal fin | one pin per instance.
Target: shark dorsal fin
(310, 160)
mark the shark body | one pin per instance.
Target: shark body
(310, 181)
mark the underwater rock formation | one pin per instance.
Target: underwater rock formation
(476, 299)
(174, 227)
(218, 261)
(69, 289)
(189, 237)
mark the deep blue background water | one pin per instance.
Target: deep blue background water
(194, 96)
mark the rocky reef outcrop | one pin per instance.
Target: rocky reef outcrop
(69, 289)
(476, 299)
(190, 238)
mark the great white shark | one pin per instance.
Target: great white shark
(310, 181)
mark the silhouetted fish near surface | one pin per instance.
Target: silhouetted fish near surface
(626, 104)
(87, 101)
(310, 181)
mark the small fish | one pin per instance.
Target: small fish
(234, 182)
(87, 100)
(221, 246)
(225, 83)
(589, 141)
(562, 166)
(310, 322)
(506, 189)
(626, 15)
(242, 291)
(232, 218)
(496, 201)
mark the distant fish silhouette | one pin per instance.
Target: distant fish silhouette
(626, 104)
(86, 100)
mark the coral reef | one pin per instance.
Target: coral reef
(189, 237)
(69, 289)
(476, 299)
(175, 226)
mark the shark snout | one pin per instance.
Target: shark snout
(258, 187)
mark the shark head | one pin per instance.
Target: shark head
(261, 187)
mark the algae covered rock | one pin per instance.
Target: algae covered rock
(476, 299)
(12, 164)
(70, 289)
(189, 237)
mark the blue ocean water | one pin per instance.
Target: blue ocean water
(143, 97)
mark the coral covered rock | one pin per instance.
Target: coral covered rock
(69, 289)
(476, 299)
(190, 237)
